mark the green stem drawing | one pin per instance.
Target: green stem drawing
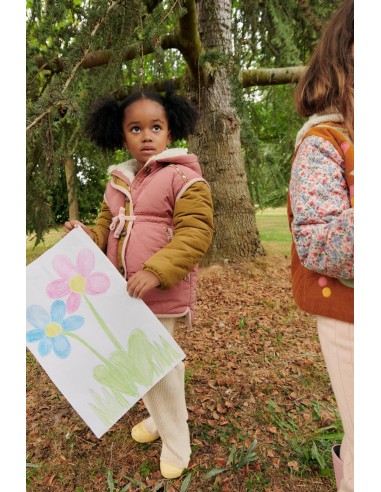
(103, 325)
(81, 340)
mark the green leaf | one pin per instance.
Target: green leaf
(158, 486)
(318, 457)
(232, 454)
(337, 436)
(185, 483)
(110, 481)
(250, 455)
(135, 482)
(215, 471)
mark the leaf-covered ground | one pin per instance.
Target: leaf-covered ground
(255, 376)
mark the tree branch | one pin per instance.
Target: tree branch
(250, 78)
(270, 76)
(102, 57)
(40, 117)
(189, 37)
(93, 32)
(76, 66)
(187, 41)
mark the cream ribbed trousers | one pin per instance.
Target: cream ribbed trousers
(336, 340)
(166, 405)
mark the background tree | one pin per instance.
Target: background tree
(267, 35)
(78, 51)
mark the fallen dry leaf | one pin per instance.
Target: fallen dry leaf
(294, 465)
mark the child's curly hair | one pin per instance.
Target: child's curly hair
(104, 124)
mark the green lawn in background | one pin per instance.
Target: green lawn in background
(272, 226)
(50, 239)
(273, 230)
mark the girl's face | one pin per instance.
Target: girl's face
(145, 129)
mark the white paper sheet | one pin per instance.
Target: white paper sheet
(102, 348)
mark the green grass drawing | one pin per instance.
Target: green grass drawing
(139, 364)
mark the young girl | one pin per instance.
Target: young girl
(155, 224)
(321, 214)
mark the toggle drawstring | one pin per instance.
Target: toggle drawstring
(118, 222)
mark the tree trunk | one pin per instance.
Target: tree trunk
(71, 183)
(218, 145)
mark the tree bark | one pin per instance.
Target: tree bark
(218, 146)
(71, 183)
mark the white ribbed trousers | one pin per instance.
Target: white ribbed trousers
(166, 405)
(336, 340)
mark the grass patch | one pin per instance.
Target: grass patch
(50, 239)
(274, 231)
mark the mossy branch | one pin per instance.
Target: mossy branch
(270, 76)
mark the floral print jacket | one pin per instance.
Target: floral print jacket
(321, 218)
(323, 225)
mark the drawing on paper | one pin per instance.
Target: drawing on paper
(76, 280)
(119, 358)
(51, 330)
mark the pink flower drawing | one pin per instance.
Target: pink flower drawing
(76, 280)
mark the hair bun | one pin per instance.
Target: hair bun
(104, 124)
(182, 115)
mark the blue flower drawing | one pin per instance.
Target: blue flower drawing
(50, 330)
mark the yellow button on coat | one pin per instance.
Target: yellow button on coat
(326, 292)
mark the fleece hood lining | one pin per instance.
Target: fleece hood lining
(130, 168)
(314, 120)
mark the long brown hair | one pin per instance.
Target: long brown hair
(328, 81)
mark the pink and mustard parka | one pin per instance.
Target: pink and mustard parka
(159, 219)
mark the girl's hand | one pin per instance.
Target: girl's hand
(141, 282)
(69, 225)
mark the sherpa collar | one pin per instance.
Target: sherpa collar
(130, 168)
(314, 120)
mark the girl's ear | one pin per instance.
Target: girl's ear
(169, 138)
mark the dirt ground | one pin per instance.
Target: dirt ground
(254, 374)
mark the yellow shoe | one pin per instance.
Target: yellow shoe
(169, 471)
(140, 434)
